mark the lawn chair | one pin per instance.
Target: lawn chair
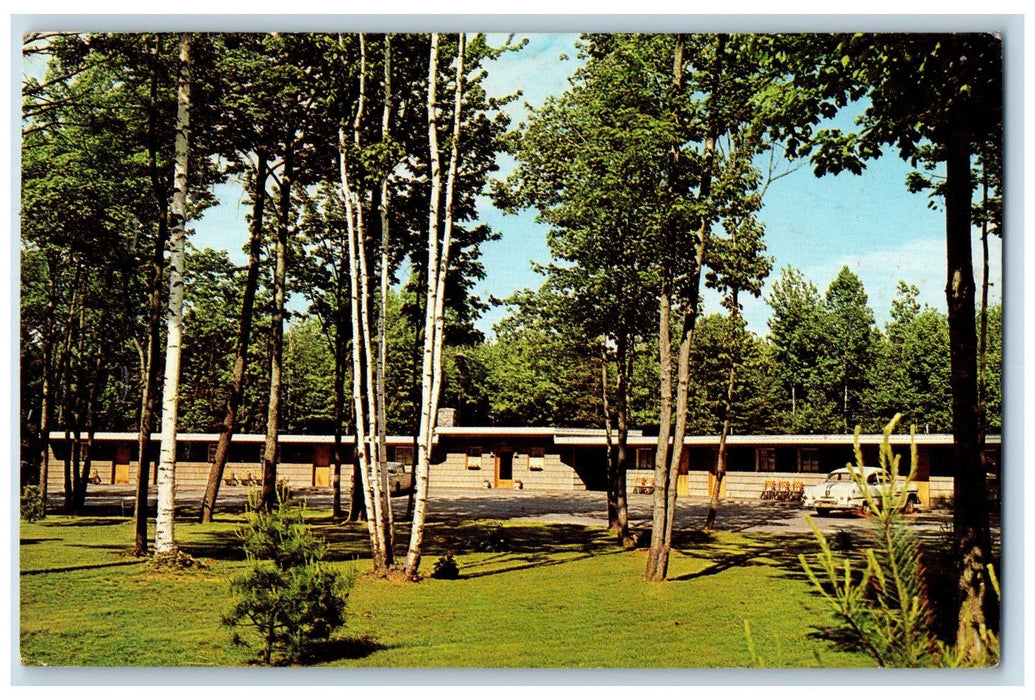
(643, 484)
(797, 491)
(232, 480)
(769, 490)
(783, 491)
(95, 478)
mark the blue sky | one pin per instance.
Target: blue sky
(869, 222)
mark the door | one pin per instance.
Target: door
(505, 469)
(120, 468)
(322, 466)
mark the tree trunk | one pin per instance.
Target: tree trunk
(153, 357)
(370, 457)
(438, 266)
(983, 314)
(970, 507)
(612, 496)
(382, 349)
(235, 392)
(88, 406)
(165, 542)
(657, 557)
(666, 480)
(46, 405)
(617, 454)
(269, 453)
(339, 417)
(44, 441)
(720, 459)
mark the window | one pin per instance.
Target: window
(765, 459)
(212, 452)
(809, 459)
(536, 458)
(645, 458)
(474, 458)
(404, 454)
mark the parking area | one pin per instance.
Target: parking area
(578, 507)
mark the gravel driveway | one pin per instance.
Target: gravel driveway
(577, 507)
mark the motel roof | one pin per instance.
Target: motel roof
(574, 437)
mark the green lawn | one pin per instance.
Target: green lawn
(563, 596)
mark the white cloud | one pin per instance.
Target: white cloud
(920, 262)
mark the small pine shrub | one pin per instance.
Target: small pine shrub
(494, 541)
(286, 598)
(32, 504)
(446, 567)
(887, 609)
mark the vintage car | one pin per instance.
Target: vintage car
(840, 492)
(400, 480)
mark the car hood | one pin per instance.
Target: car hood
(832, 488)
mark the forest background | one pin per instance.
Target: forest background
(848, 256)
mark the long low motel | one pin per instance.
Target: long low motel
(538, 459)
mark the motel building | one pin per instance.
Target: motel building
(535, 459)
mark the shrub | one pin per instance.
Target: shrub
(446, 567)
(285, 597)
(288, 609)
(887, 610)
(494, 541)
(279, 534)
(32, 504)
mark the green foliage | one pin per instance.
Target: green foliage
(285, 596)
(279, 534)
(722, 343)
(32, 504)
(539, 370)
(800, 345)
(308, 381)
(910, 371)
(884, 607)
(289, 609)
(496, 540)
(994, 370)
(446, 567)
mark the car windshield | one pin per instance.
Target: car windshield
(839, 476)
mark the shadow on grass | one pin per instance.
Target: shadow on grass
(743, 559)
(84, 521)
(37, 540)
(343, 649)
(81, 567)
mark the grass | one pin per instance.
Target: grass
(563, 596)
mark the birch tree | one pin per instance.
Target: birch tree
(165, 541)
(437, 267)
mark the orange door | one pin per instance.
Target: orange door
(505, 469)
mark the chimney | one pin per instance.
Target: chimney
(446, 418)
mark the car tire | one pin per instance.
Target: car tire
(823, 512)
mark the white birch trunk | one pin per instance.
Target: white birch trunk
(438, 265)
(382, 350)
(365, 400)
(165, 542)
